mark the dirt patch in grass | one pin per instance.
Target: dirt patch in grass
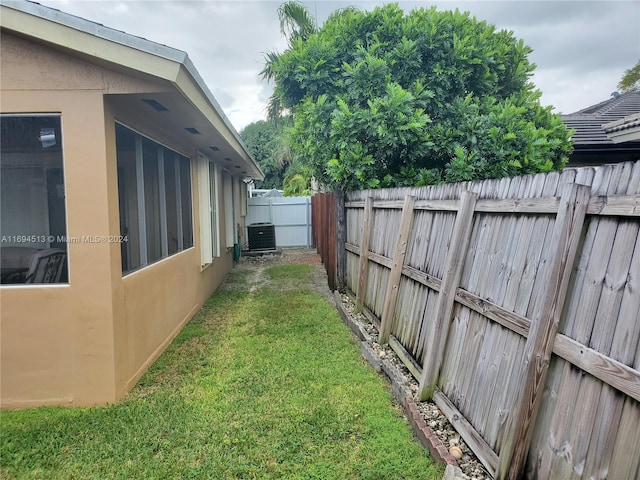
(251, 270)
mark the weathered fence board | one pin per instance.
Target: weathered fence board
(323, 232)
(396, 269)
(451, 278)
(502, 296)
(367, 222)
(545, 320)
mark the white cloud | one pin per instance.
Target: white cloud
(581, 48)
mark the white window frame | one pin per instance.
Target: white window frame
(244, 195)
(208, 188)
(229, 209)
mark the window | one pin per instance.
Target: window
(208, 187)
(33, 223)
(154, 189)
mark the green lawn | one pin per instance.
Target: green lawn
(267, 384)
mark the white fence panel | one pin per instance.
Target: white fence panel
(291, 217)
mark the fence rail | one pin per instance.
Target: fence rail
(515, 303)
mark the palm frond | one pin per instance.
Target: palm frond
(274, 109)
(296, 21)
(270, 59)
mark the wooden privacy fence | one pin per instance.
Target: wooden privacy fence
(323, 232)
(515, 303)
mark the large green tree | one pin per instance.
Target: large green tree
(265, 143)
(384, 98)
(268, 146)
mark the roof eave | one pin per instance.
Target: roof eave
(626, 135)
(197, 79)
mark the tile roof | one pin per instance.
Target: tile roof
(588, 123)
(626, 123)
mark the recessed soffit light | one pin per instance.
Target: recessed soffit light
(156, 105)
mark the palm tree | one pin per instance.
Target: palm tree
(295, 23)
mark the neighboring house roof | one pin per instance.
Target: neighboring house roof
(608, 132)
(588, 122)
(132, 53)
(625, 130)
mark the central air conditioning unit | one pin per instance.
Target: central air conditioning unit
(262, 236)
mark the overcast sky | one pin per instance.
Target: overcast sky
(581, 48)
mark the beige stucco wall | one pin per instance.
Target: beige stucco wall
(67, 355)
(89, 341)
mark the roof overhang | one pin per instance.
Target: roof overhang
(188, 98)
(189, 128)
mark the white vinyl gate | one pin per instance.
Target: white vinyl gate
(291, 217)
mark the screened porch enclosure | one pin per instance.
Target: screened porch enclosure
(154, 190)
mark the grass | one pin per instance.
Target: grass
(262, 385)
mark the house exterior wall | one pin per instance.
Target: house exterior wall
(151, 305)
(56, 340)
(88, 342)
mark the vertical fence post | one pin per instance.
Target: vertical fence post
(544, 325)
(323, 228)
(341, 240)
(364, 253)
(333, 239)
(434, 350)
(307, 208)
(322, 231)
(314, 220)
(396, 270)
